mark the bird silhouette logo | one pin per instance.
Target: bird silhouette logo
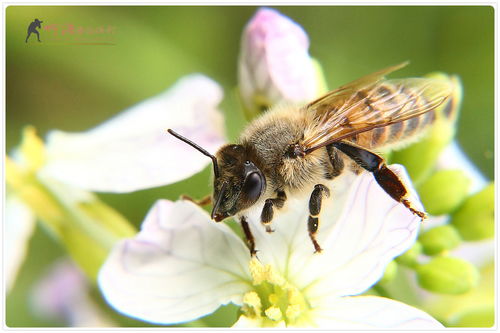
(32, 29)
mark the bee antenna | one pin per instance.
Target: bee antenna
(197, 147)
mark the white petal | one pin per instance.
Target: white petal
(371, 312)
(371, 230)
(133, 150)
(181, 266)
(19, 226)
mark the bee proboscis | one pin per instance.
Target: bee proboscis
(288, 149)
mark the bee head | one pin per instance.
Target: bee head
(239, 183)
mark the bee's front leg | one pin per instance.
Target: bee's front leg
(201, 202)
(267, 214)
(384, 176)
(314, 210)
(248, 235)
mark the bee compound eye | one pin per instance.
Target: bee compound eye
(253, 186)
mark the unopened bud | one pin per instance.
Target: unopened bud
(439, 239)
(444, 191)
(447, 275)
(420, 158)
(274, 63)
(475, 219)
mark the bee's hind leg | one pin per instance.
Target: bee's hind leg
(266, 217)
(384, 176)
(314, 210)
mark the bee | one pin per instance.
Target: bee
(290, 149)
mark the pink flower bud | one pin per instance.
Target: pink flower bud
(274, 62)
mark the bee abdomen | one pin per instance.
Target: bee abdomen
(392, 97)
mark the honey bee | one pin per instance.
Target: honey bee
(289, 149)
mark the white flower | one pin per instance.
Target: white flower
(274, 62)
(132, 151)
(182, 265)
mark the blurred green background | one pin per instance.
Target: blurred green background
(75, 87)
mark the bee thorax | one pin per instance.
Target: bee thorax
(295, 150)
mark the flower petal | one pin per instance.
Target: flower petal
(133, 151)
(361, 230)
(181, 266)
(274, 61)
(19, 226)
(371, 312)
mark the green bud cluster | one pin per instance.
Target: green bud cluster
(471, 218)
(444, 193)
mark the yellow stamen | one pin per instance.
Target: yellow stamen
(274, 300)
(274, 313)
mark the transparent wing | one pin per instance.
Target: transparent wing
(371, 102)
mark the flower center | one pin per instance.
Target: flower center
(273, 300)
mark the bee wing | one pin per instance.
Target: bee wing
(371, 102)
(342, 93)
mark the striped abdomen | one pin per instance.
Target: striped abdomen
(392, 96)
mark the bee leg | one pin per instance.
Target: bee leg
(202, 202)
(248, 235)
(266, 217)
(314, 210)
(384, 176)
